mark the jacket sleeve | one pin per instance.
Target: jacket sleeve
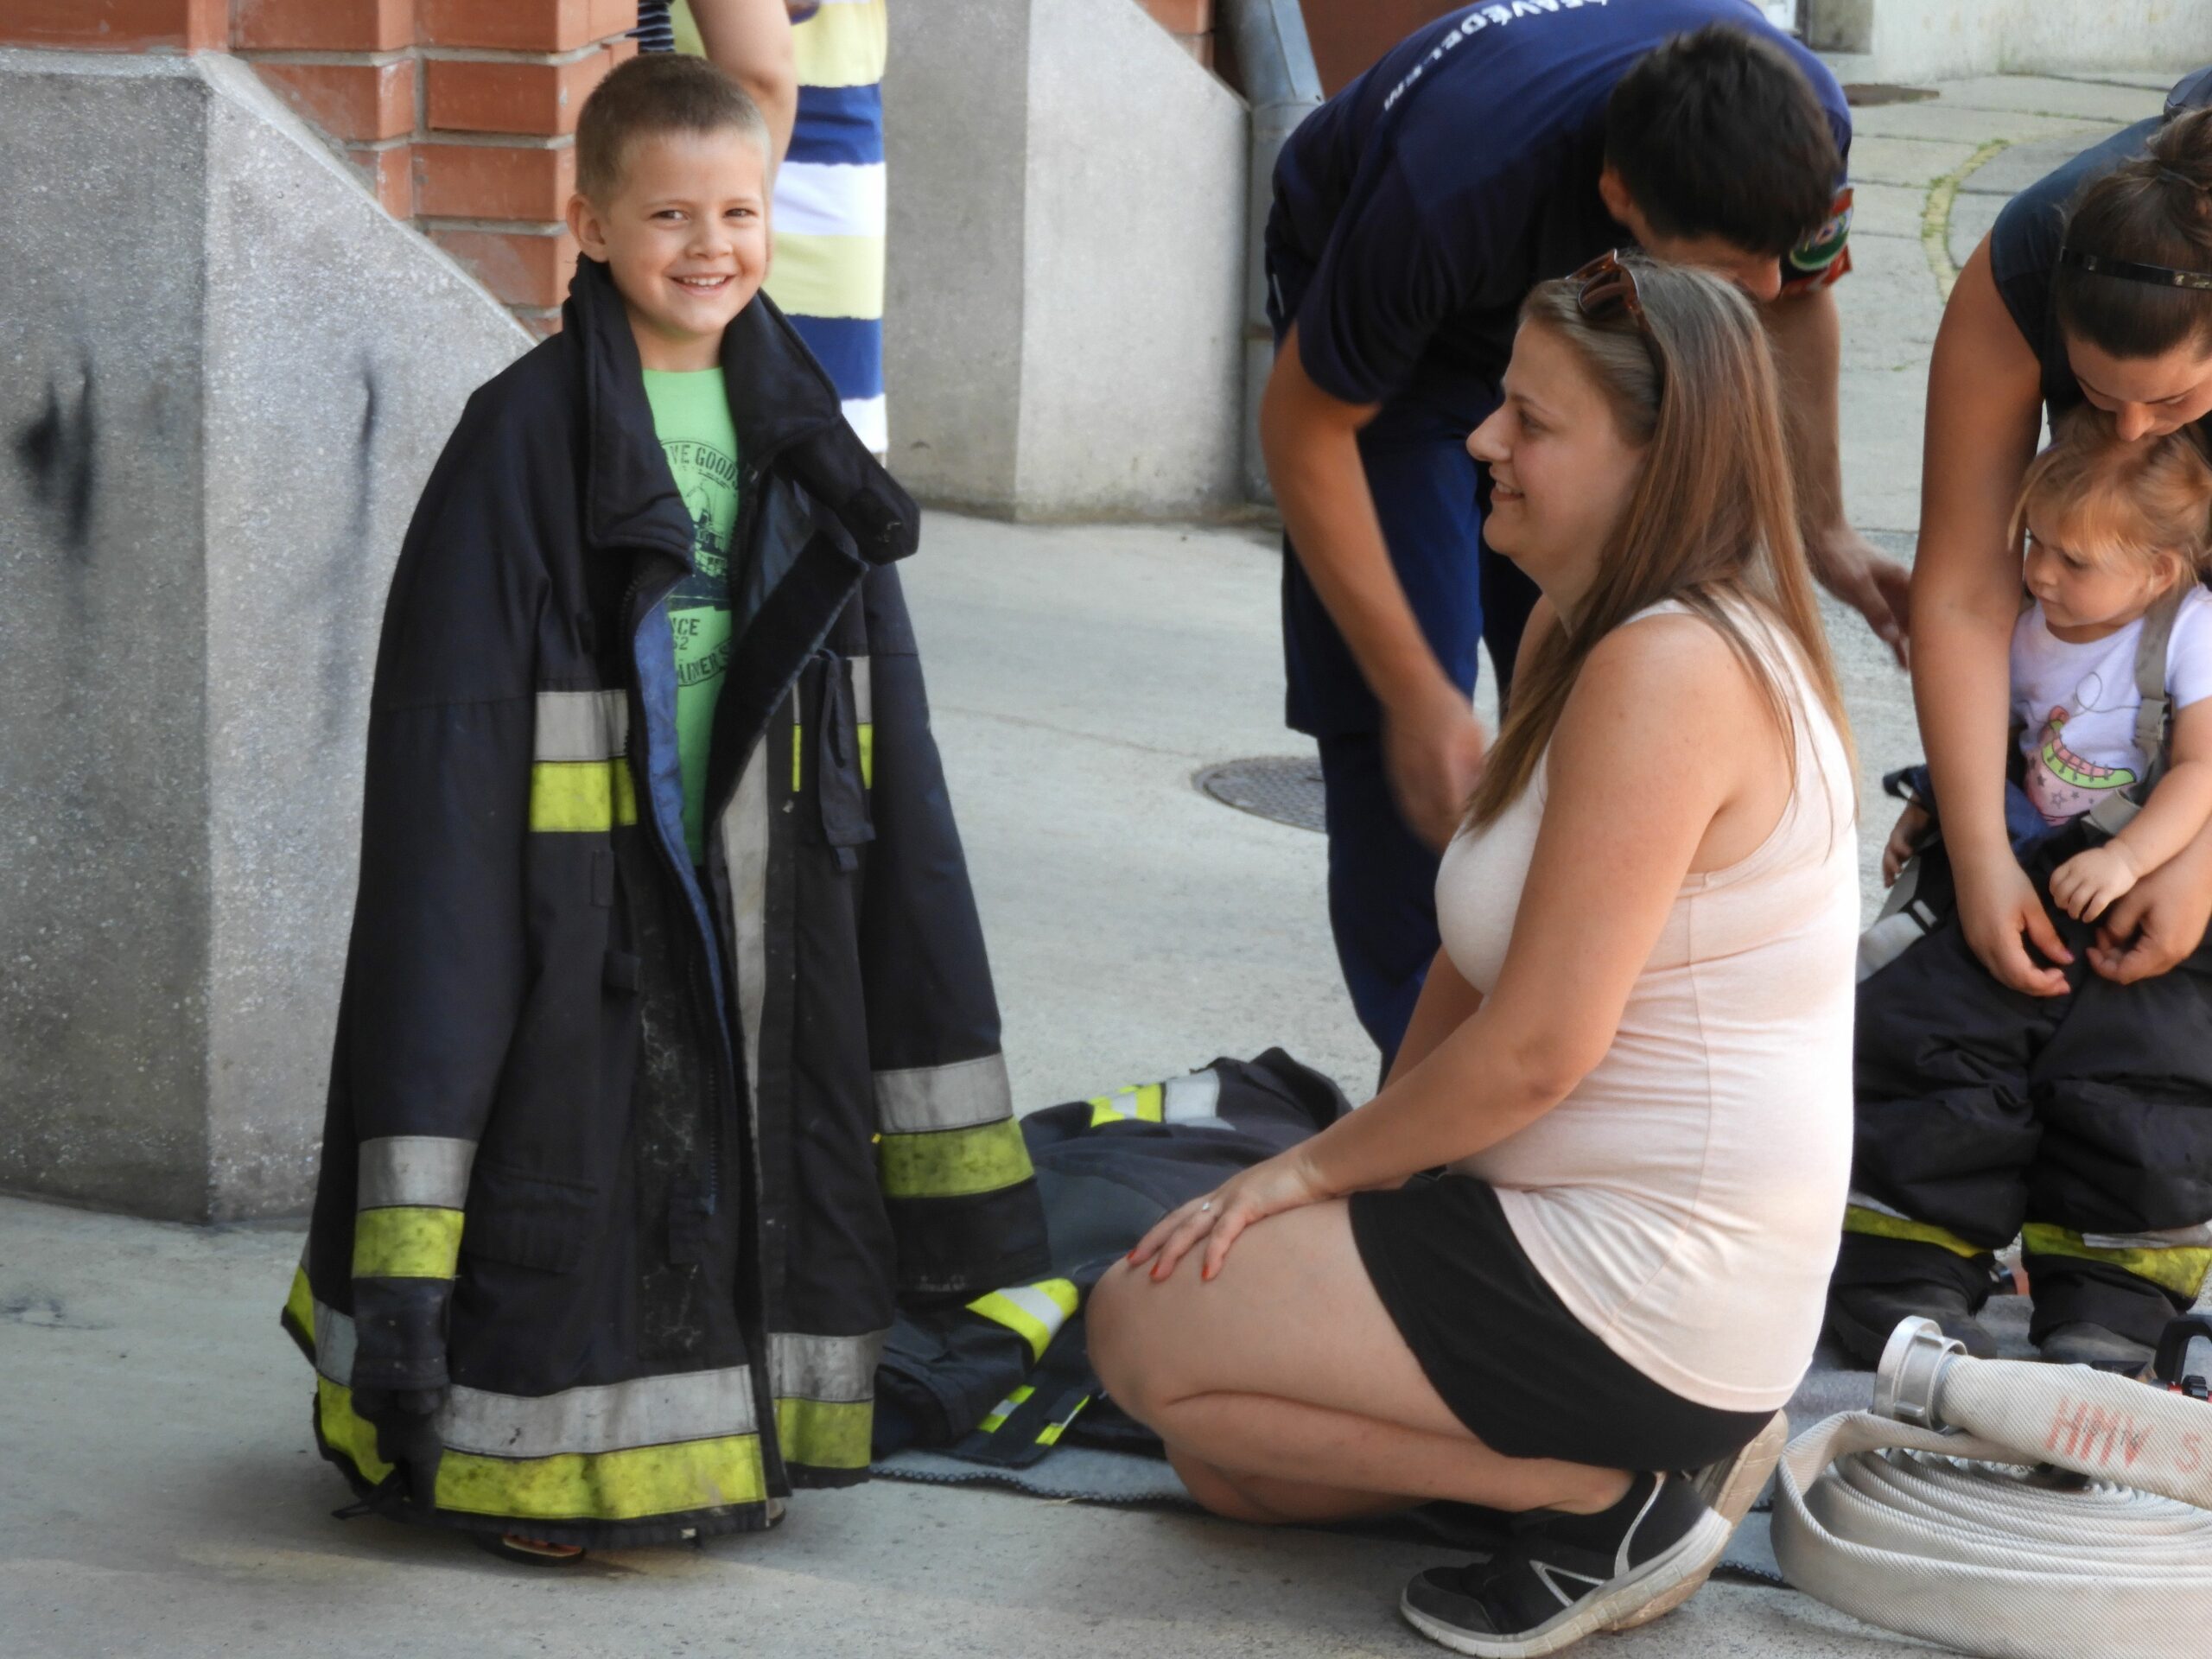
(955, 1174)
(434, 970)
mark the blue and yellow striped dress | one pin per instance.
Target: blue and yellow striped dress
(828, 215)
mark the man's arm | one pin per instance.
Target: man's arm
(1433, 745)
(750, 40)
(1807, 335)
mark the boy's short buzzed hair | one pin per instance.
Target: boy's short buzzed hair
(650, 96)
(1718, 133)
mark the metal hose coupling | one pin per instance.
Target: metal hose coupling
(1909, 1388)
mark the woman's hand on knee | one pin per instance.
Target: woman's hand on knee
(1286, 1181)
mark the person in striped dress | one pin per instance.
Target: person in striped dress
(828, 214)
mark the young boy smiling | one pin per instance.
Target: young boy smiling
(667, 1053)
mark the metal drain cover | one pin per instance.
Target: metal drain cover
(1284, 787)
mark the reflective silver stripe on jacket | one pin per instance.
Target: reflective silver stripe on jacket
(582, 725)
(1191, 1099)
(607, 1417)
(429, 1170)
(863, 690)
(955, 1097)
(334, 1344)
(839, 1370)
(744, 829)
(2164, 1238)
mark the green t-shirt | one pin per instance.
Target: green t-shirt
(692, 420)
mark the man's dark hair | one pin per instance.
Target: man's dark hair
(651, 95)
(1718, 133)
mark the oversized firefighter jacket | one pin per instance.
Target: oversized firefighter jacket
(624, 1158)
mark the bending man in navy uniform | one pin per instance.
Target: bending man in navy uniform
(1500, 146)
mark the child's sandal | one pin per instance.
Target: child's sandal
(530, 1552)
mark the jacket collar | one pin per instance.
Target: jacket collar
(786, 412)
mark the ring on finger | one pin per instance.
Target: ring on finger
(1206, 1205)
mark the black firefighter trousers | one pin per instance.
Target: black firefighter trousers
(2083, 1123)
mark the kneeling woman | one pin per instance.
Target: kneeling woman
(1632, 1059)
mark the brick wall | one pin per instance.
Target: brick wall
(1190, 22)
(460, 114)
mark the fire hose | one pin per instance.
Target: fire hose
(2010, 1508)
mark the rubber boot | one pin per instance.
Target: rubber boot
(1862, 1316)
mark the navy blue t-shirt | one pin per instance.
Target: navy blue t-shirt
(2024, 243)
(1415, 209)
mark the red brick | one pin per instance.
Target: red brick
(390, 173)
(1198, 46)
(1182, 16)
(323, 25)
(521, 270)
(511, 25)
(119, 25)
(493, 181)
(620, 51)
(612, 18)
(468, 95)
(349, 100)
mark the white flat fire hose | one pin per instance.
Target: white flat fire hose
(1942, 1514)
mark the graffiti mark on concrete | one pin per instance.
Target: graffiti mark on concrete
(57, 450)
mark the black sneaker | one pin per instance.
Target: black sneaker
(1862, 1316)
(1563, 1576)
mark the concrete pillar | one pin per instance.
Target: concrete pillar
(1062, 330)
(224, 374)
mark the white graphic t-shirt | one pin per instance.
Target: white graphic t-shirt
(2075, 704)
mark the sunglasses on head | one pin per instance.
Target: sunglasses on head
(1605, 283)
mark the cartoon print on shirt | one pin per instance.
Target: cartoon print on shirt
(2061, 783)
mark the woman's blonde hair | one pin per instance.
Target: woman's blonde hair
(2150, 501)
(1712, 517)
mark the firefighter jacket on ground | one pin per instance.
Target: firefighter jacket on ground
(625, 1158)
(1000, 1379)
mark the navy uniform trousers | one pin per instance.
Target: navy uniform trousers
(2083, 1123)
(1382, 877)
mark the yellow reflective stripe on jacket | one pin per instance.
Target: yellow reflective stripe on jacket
(1033, 1312)
(629, 1484)
(1145, 1104)
(825, 1433)
(1049, 1434)
(1857, 1218)
(953, 1163)
(570, 797)
(299, 1305)
(345, 1430)
(409, 1243)
(2180, 1270)
(1006, 1409)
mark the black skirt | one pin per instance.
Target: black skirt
(1507, 1356)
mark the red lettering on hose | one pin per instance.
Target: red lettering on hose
(2192, 1455)
(2069, 1429)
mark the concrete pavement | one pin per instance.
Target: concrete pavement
(160, 1495)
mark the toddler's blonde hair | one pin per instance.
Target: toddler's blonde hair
(2150, 501)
